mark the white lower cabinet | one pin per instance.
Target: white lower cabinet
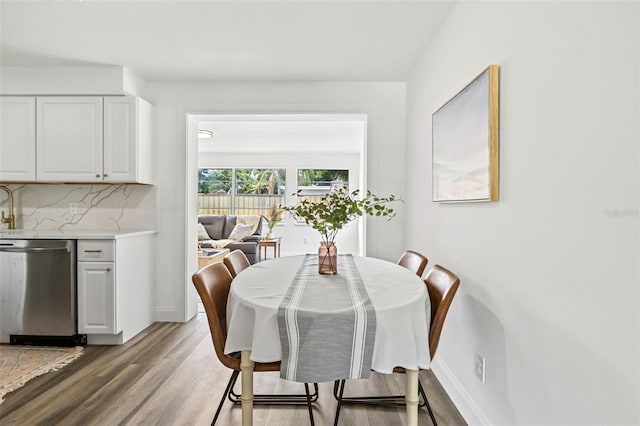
(96, 298)
(115, 288)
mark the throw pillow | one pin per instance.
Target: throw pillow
(202, 233)
(248, 219)
(241, 231)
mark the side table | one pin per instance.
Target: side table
(272, 242)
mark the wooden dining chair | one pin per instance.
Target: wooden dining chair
(213, 283)
(236, 262)
(442, 285)
(413, 261)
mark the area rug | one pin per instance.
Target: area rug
(19, 364)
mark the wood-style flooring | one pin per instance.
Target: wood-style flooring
(169, 375)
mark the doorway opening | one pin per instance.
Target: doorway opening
(248, 163)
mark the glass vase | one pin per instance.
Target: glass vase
(327, 258)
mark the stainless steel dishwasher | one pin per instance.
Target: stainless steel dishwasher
(38, 292)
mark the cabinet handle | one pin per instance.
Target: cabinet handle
(105, 175)
(93, 251)
(97, 175)
(108, 269)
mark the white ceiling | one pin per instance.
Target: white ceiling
(224, 40)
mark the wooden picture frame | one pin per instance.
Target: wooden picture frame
(465, 142)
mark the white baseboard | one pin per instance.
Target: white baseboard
(458, 395)
(165, 314)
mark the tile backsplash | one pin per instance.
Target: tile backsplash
(81, 206)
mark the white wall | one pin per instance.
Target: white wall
(550, 273)
(95, 80)
(383, 103)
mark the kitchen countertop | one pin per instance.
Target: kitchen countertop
(55, 234)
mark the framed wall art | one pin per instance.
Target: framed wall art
(465, 142)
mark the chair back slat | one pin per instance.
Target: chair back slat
(236, 262)
(442, 285)
(413, 261)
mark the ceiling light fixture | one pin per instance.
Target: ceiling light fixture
(205, 134)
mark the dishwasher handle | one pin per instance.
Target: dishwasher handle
(8, 248)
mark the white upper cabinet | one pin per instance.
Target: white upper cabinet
(69, 139)
(88, 139)
(127, 139)
(17, 139)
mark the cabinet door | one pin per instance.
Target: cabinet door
(96, 298)
(127, 140)
(120, 139)
(69, 139)
(17, 139)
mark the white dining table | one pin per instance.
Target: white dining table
(399, 298)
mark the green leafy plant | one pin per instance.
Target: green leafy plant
(273, 216)
(334, 210)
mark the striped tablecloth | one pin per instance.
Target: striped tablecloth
(326, 324)
(399, 299)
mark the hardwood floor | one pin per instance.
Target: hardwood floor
(169, 375)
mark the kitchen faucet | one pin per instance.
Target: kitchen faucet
(11, 220)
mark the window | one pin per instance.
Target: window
(214, 191)
(314, 183)
(256, 190)
(259, 190)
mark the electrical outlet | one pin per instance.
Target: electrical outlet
(306, 241)
(480, 367)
